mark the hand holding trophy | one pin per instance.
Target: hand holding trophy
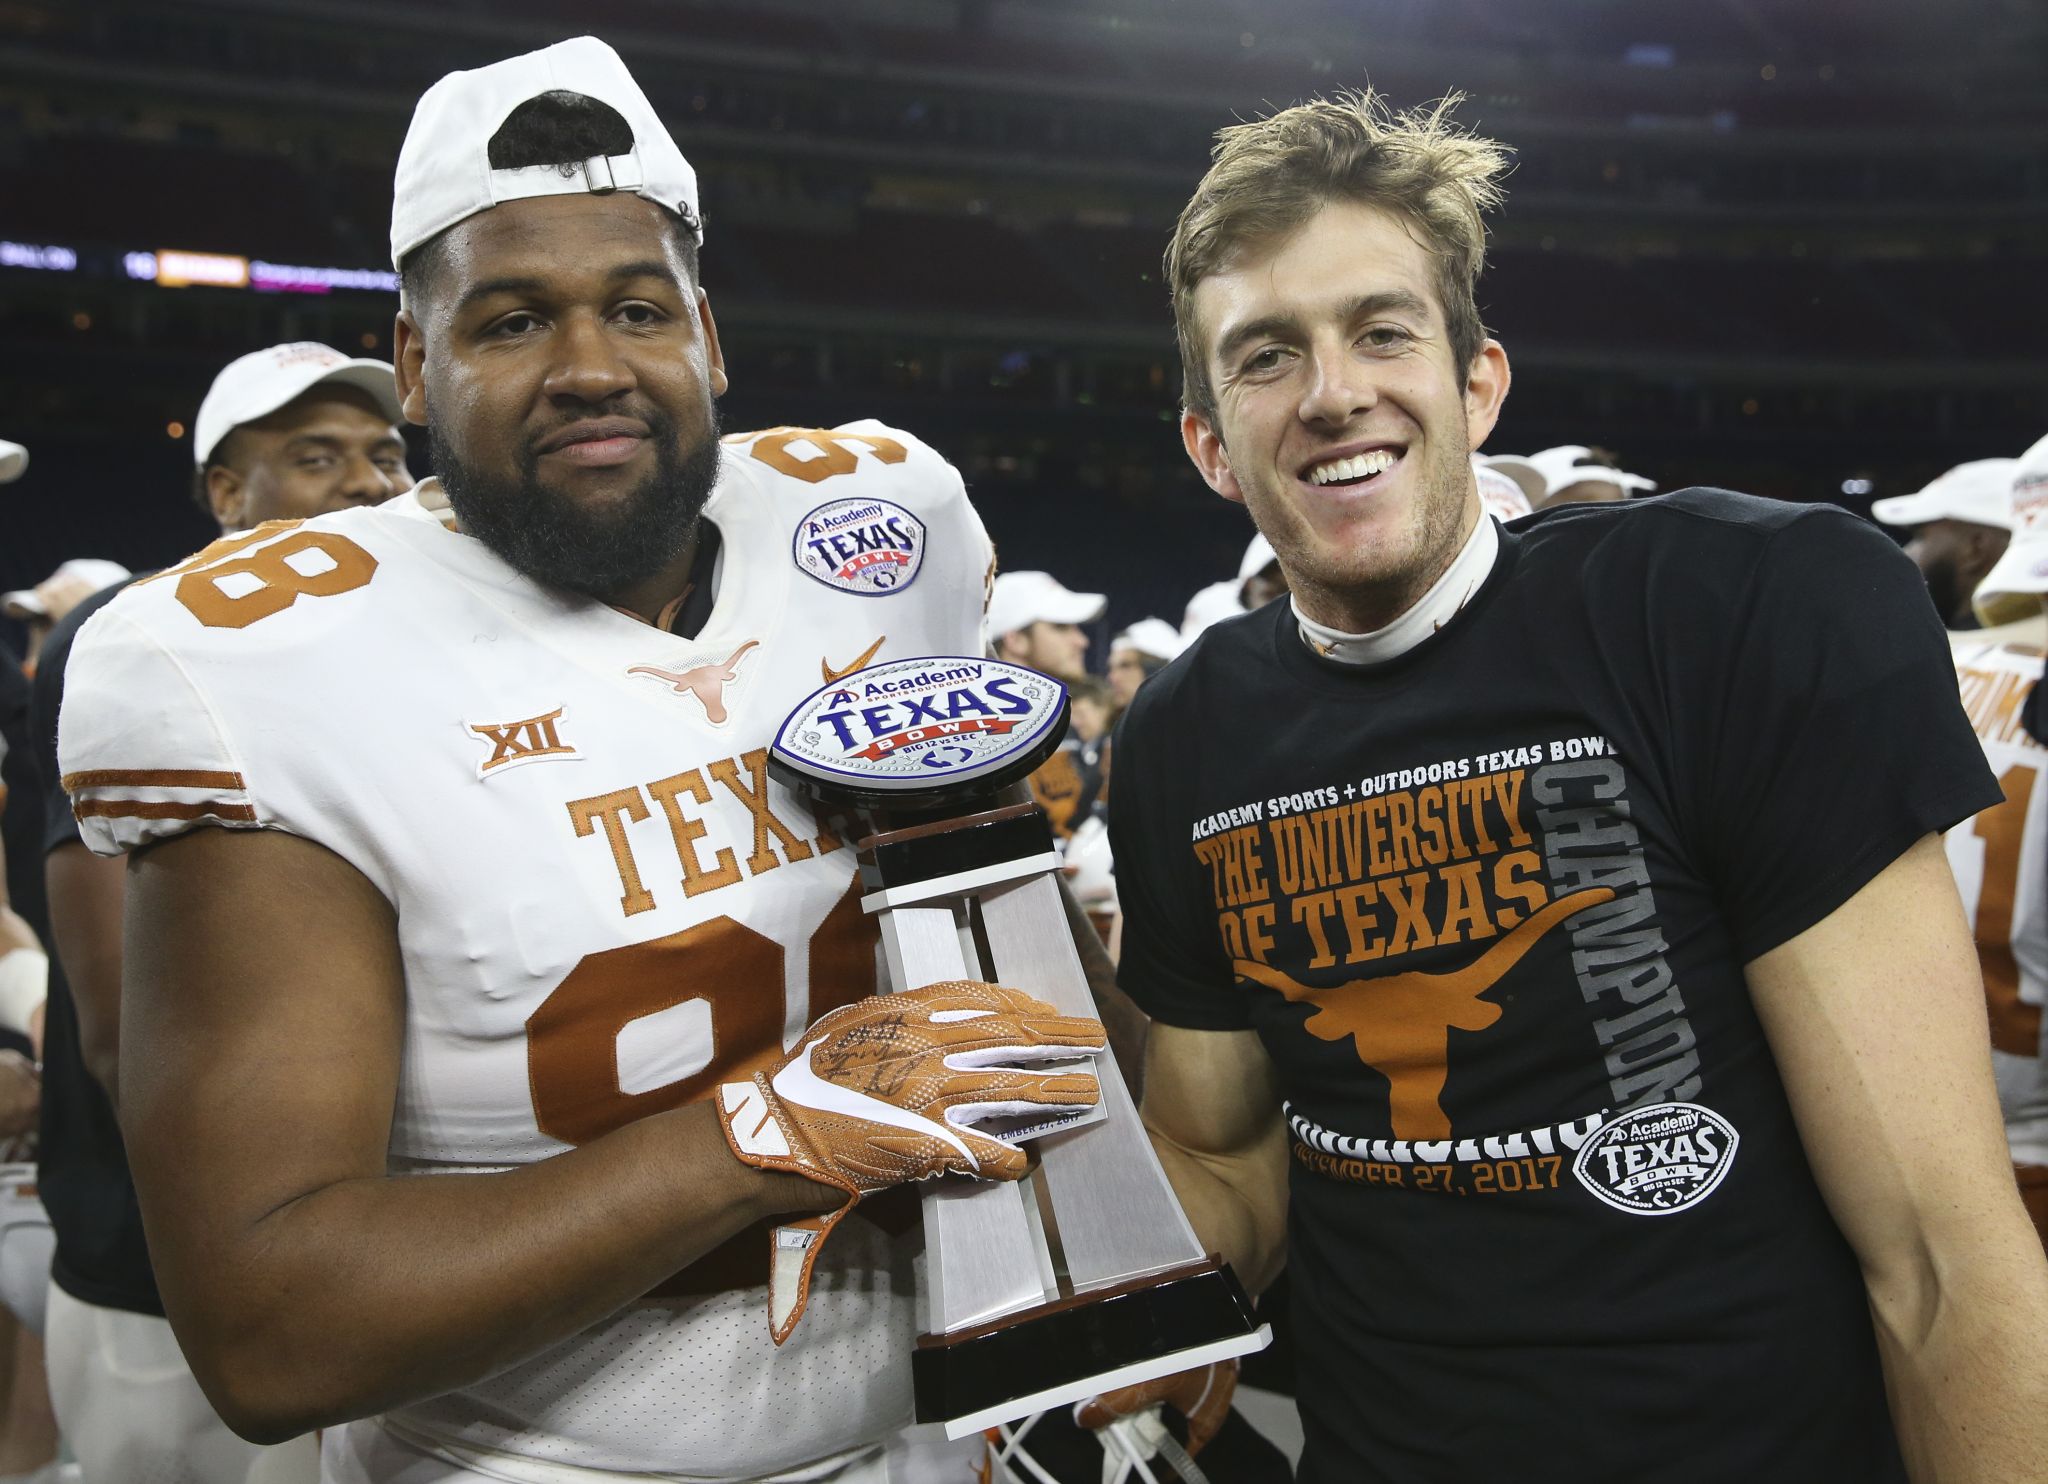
(1084, 1275)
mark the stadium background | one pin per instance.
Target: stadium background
(1791, 246)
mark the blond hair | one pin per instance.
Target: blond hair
(1268, 177)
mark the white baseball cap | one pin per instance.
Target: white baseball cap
(444, 167)
(1501, 493)
(1022, 599)
(13, 461)
(27, 602)
(2024, 567)
(1543, 474)
(1257, 558)
(1979, 492)
(257, 384)
(1153, 636)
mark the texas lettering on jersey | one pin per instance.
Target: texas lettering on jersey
(605, 905)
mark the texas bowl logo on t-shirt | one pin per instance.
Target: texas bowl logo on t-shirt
(870, 548)
(1657, 1160)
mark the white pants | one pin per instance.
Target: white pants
(368, 1453)
(26, 1246)
(132, 1413)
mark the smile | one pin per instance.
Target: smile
(1352, 470)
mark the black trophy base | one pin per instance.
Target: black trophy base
(1040, 1358)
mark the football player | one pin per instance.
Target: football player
(285, 432)
(2000, 856)
(474, 1166)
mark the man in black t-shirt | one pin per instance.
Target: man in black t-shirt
(1547, 931)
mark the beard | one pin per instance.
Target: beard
(1388, 577)
(557, 540)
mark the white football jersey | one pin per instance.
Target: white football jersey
(605, 906)
(2000, 859)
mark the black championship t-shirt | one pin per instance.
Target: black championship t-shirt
(83, 1175)
(1487, 907)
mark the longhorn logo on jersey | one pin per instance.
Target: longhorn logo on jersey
(871, 548)
(706, 682)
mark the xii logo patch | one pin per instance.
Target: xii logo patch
(530, 741)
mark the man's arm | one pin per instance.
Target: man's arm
(1121, 1018)
(1212, 1106)
(263, 1012)
(86, 893)
(1876, 1017)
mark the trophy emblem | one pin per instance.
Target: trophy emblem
(1085, 1275)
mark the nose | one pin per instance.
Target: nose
(1340, 386)
(587, 365)
(363, 482)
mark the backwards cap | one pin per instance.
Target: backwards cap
(444, 167)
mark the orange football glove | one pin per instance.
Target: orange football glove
(879, 1092)
(1201, 1395)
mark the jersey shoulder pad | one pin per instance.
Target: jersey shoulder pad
(142, 753)
(854, 461)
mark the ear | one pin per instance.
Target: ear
(1205, 447)
(1486, 388)
(227, 497)
(409, 359)
(713, 355)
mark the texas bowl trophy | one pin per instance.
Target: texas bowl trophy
(1085, 1275)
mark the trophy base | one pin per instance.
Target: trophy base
(1079, 1347)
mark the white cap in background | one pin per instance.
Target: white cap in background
(257, 384)
(89, 574)
(444, 167)
(1501, 494)
(1258, 556)
(13, 461)
(2024, 567)
(1153, 636)
(1022, 599)
(1542, 475)
(1979, 492)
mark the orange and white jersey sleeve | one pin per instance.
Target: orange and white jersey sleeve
(142, 747)
(2000, 860)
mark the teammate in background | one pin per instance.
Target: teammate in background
(2001, 856)
(473, 1165)
(28, 1428)
(1138, 653)
(1963, 521)
(284, 433)
(1258, 582)
(1570, 474)
(1577, 892)
(1503, 497)
(1033, 620)
(39, 608)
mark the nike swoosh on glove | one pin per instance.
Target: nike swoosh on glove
(882, 1091)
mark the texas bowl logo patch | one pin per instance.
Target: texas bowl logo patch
(870, 548)
(918, 724)
(1657, 1160)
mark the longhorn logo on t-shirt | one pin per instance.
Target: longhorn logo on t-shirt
(706, 682)
(1400, 1024)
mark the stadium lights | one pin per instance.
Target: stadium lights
(1856, 486)
(49, 259)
